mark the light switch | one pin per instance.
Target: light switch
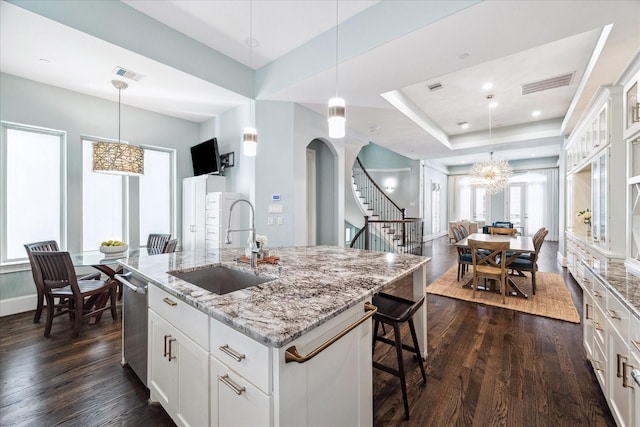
(279, 220)
(269, 220)
(275, 209)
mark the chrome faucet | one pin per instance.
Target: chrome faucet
(253, 247)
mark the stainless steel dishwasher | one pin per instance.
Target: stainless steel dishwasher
(134, 323)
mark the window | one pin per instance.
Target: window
(33, 188)
(103, 203)
(157, 194)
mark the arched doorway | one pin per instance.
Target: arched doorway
(322, 203)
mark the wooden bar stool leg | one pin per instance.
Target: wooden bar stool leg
(414, 337)
(375, 336)
(403, 382)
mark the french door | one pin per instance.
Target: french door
(516, 206)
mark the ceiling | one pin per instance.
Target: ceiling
(388, 55)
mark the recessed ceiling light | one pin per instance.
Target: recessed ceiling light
(535, 113)
(487, 86)
(251, 42)
(44, 60)
(462, 162)
(533, 154)
(464, 55)
(374, 129)
(464, 125)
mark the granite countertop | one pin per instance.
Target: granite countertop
(311, 285)
(623, 280)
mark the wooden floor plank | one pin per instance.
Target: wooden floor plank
(486, 366)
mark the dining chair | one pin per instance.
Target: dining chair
(49, 245)
(157, 241)
(489, 261)
(170, 246)
(503, 231)
(463, 230)
(530, 263)
(81, 299)
(464, 256)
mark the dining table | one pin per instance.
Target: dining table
(108, 265)
(517, 245)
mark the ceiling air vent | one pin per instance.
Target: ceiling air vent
(123, 72)
(434, 86)
(552, 83)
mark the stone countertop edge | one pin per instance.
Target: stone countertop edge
(624, 282)
(312, 285)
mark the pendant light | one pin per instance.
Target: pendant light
(249, 134)
(118, 158)
(493, 174)
(337, 106)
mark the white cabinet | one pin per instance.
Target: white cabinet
(253, 385)
(178, 364)
(235, 401)
(611, 334)
(632, 106)
(194, 193)
(217, 219)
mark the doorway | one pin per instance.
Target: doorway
(516, 206)
(322, 202)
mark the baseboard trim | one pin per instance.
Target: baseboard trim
(18, 305)
(562, 260)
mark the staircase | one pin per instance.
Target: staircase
(386, 228)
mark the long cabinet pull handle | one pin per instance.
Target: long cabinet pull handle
(292, 354)
(619, 364)
(596, 365)
(166, 352)
(169, 301)
(597, 294)
(613, 314)
(586, 314)
(231, 352)
(624, 375)
(597, 326)
(233, 386)
(171, 356)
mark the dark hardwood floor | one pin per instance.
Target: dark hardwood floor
(486, 367)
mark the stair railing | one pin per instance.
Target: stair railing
(376, 200)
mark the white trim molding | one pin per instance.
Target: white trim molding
(18, 305)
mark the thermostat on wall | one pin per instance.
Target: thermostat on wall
(275, 197)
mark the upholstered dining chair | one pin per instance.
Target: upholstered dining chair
(170, 246)
(82, 299)
(49, 245)
(464, 256)
(157, 241)
(529, 262)
(489, 261)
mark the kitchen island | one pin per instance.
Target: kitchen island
(233, 348)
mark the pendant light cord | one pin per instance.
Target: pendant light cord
(251, 58)
(336, 48)
(119, 114)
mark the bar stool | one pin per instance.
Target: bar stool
(393, 311)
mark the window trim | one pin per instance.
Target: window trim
(19, 263)
(173, 154)
(125, 192)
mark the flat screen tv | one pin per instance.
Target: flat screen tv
(206, 158)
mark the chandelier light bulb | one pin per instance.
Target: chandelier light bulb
(337, 108)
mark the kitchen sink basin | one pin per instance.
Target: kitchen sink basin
(220, 279)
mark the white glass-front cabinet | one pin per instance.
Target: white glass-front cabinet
(599, 199)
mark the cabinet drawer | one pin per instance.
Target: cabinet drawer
(599, 363)
(634, 337)
(599, 292)
(618, 316)
(242, 354)
(235, 401)
(189, 320)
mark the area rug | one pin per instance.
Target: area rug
(552, 298)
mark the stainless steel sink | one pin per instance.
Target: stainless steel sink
(220, 279)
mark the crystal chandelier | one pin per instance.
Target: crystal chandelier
(492, 174)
